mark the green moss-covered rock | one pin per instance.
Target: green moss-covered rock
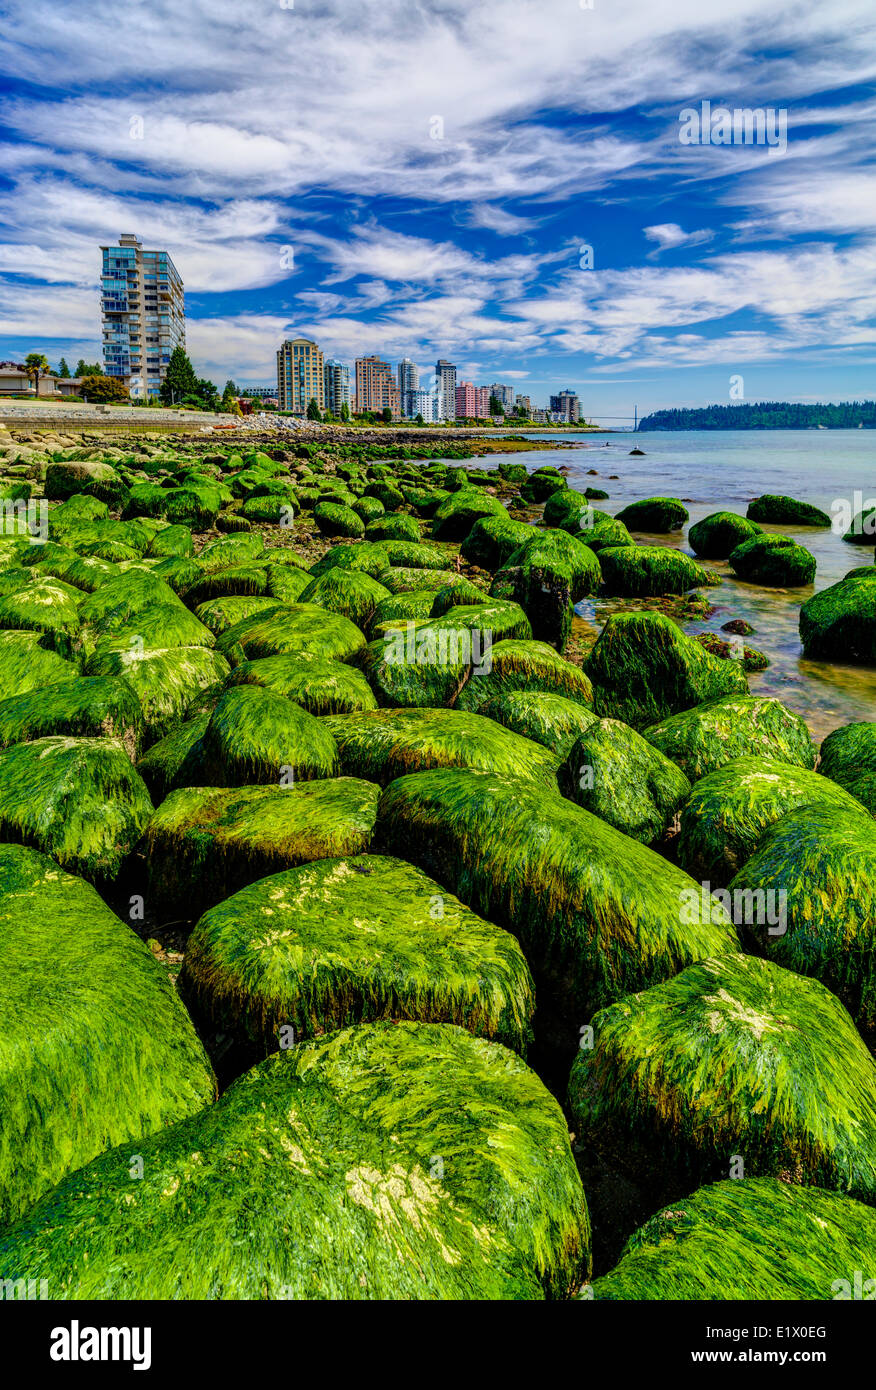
(418, 664)
(171, 540)
(598, 532)
(396, 1161)
(386, 492)
(320, 687)
(820, 862)
(347, 941)
(142, 606)
(848, 757)
(567, 508)
(334, 519)
(368, 508)
(395, 526)
(348, 592)
(593, 909)
(614, 773)
(95, 1048)
(412, 555)
(287, 631)
(545, 576)
(702, 739)
(458, 514)
(493, 539)
(245, 579)
(95, 706)
(635, 571)
(532, 666)
(734, 1056)
(839, 623)
(84, 572)
(77, 799)
(749, 658)
(63, 479)
(397, 609)
(786, 511)
(551, 720)
(167, 682)
(257, 735)
(541, 484)
(761, 1239)
(719, 533)
(47, 606)
(643, 669)
(659, 515)
(27, 664)
(219, 614)
(775, 561)
(730, 810)
(176, 760)
(408, 580)
(389, 743)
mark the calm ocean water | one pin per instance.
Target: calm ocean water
(723, 471)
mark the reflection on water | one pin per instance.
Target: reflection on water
(722, 472)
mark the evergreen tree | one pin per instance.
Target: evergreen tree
(180, 380)
(63, 370)
(313, 410)
(345, 411)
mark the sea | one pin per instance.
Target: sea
(714, 471)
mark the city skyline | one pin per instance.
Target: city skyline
(575, 216)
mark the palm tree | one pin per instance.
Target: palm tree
(37, 365)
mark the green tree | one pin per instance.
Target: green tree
(313, 410)
(209, 393)
(496, 406)
(63, 370)
(179, 380)
(420, 420)
(37, 364)
(386, 415)
(345, 411)
(105, 388)
(229, 399)
(84, 369)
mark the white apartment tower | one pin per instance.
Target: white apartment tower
(143, 313)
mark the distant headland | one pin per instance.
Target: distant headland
(766, 415)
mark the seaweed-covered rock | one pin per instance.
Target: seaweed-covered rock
(395, 526)
(349, 592)
(176, 760)
(320, 687)
(458, 514)
(820, 863)
(404, 579)
(388, 1161)
(541, 484)
(95, 706)
(598, 532)
(26, 664)
(775, 561)
(368, 508)
(839, 623)
(546, 576)
(734, 1056)
(166, 682)
(355, 940)
(567, 508)
(658, 515)
(532, 666)
(204, 843)
(299, 627)
(702, 739)
(749, 658)
(862, 530)
(593, 909)
(389, 743)
(77, 799)
(729, 811)
(418, 664)
(554, 721)
(614, 773)
(63, 479)
(493, 539)
(644, 668)
(257, 735)
(717, 534)
(398, 609)
(47, 606)
(413, 555)
(786, 511)
(761, 1240)
(334, 519)
(848, 757)
(95, 1048)
(142, 607)
(249, 578)
(219, 614)
(172, 540)
(635, 571)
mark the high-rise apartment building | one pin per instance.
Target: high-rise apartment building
(567, 403)
(472, 402)
(375, 388)
(300, 375)
(408, 386)
(143, 314)
(524, 403)
(420, 403)
(445, 377)
(504, 394)
(337, 386)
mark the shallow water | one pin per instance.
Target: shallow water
(711, 471)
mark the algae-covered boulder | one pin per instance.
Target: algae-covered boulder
(320, 687)
(256, 735)
(541, 484)
(643, 668)
(702, 739)
(775, 561)
(298, 627)
(395, 526)
(66, 478)
(395, 611)
(659, 515)
(177, 760)
(349, 592)
(493, 539)
(532, 666)
(26, 663)
(142, 606)
(95, 1048)
(594, 910)
(635, 571)
(786, 511)
(554, 721)
(749, 658)
(567, 508)
(614, 773)
(404, 579)
(734, 1056)
(388, 743)
(761, 1240)
(96, 706)
(385, 1162)
(717, 534)
(334, 519)
(417, 664)
(77, 799)
(598, 531)
(219, 614)
(204, 843)
(354, 940)
(839, 623)
(47, 606)
(819, 865)
(458, 514)
(249, 578)
(848, 757)
(730, 809)
(167, 682)
(546, 576)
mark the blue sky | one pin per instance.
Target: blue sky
(420, 179)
